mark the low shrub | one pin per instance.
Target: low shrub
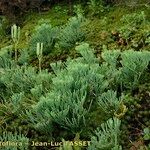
(45, 34)
(71, 33)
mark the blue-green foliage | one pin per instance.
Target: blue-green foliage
(24, 79)
(5, 62)
(109, 102)
(65, 36)
(107, 137)
(24, 57)
(20, 88)
(77, 87)
(45, 34)
(78, 83)
(71, 33)
(18, 79)
(14, 141)
(72, 87)
(133, 66)
(111, 57)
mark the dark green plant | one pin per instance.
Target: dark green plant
(96, 7)
(131, 24)
(2, 33)
(147, 40)
(78, 10)
(134, 19)
(59, 9)
(146, 134)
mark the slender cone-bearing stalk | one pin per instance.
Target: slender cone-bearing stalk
(15, 35)
(39, 52)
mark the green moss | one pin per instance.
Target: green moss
(99, 31)
(56, 16)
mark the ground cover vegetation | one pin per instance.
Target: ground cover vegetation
(75, 71)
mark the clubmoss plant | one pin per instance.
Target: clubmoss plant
(107, 136)
(39, 52)
(15, 35)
